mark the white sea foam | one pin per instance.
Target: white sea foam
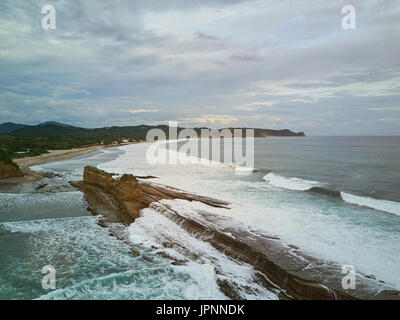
(326, 228)
(101, 267)
(377, 204)
(154, 229)
(40, 200)
(244, 170)
(186, 159)
(296, 184)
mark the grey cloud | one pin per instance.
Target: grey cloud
(202, 35)
(245, 57)
(106, 58)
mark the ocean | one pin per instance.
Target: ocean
(336, 198)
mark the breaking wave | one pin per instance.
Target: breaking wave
(244, 170)
(297, 184)
(377, 204)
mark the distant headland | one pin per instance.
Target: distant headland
(57, 129)
(21, 142)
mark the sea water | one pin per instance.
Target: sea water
(336, 198)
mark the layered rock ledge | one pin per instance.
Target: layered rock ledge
(283, 268)
(120, 200)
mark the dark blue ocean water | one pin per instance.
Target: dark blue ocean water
(337, 198)
(366, 166)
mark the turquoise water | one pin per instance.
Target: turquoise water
(38, 229)
(54, 228)
(353, 218)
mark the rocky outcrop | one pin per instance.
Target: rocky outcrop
(282, 268)
(117, 200)
(120, 200)
(9, 171)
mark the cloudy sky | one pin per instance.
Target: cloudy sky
(270, 64)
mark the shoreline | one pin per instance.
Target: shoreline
(284, 269)
(53, 155)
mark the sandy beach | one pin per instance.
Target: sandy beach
(53, 155)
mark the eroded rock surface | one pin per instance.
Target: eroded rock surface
(120, 200)
(283, 269)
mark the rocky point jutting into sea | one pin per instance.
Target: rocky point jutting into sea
(283, 269)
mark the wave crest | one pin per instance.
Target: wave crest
(295, 184)
(298, 184)
(377, 204)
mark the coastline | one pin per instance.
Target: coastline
(53, 155)
(280, 267)
(284, 269)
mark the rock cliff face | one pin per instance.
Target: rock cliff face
(9, 171)
(116, 200)
(282, 268)
(120, 200)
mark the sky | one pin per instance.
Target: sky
(216, 63)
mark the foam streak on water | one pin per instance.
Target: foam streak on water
(290, 183)
(153, 229)
(90, 264)
(327, 205)
(326, 227)
(381, 205)
(42, 228)
(297, 184)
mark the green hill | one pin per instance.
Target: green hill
(134, 132)
(8, 127)
(50, 130)
(35, 140)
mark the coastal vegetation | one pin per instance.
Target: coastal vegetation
(19, 140)
(6, 159)
(8, 168)
(17, 147)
